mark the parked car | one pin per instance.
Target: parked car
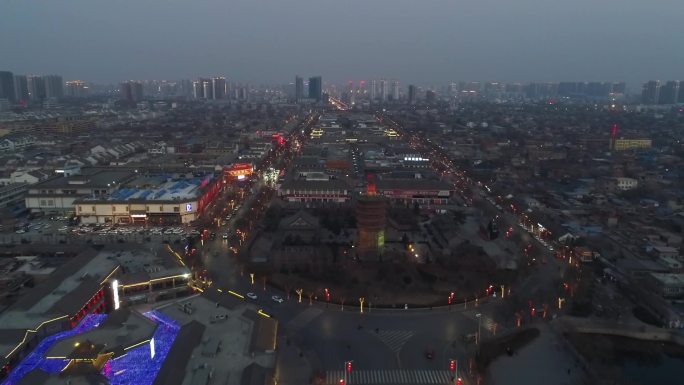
(252, 296)
(277, 298)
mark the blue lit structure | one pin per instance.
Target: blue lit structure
(36, 359)
(138, 367)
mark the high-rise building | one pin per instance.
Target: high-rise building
(36, 87)
(207, 89)
(219, 87)
(76, 89)
(411, 94)
(669, 92)
(650, 94)
(395, 90)
(7, 86)
(131, 91)
(21, 88)
(54, 86)
(299, 88)
(373, 90)
(383, 90)
(316, 88)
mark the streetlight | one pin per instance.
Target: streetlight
(479, 324)
(361, 300)
(299, 293)
(251, 277)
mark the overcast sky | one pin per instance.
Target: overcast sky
(420, 41)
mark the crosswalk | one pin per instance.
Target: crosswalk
(403, 377)
(394, 339)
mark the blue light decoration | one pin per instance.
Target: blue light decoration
(188, 207)
(36, 358)
(137, 366)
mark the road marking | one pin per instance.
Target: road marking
(394, 339)
(382, 377)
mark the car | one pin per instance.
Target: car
(252, 296)
(224, 236)
(20, 231)
(429, 354)
(277, 298)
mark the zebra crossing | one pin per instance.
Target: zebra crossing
(404, 377)
(394, 339)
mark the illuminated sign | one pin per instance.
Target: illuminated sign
(115, 294)
(188, 207)
(152, 348)
(241, 177)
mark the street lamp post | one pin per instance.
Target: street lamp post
(361, 300)
(299, 294)
(479, 325)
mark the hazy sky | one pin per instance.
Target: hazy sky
(420, 41)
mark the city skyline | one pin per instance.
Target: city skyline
(408, 41)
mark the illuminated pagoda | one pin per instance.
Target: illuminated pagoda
(370, 225)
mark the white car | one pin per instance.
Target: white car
(277, 298)
(252, 296)
(20, 231)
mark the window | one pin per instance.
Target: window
(113, 209)
(80, 209)
(51, 202)
(126, 208)
(42, 202)
(92, 208)
(161, 208)
(176, 209)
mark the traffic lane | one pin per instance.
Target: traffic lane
(335, 338)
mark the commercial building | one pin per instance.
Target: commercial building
(151, 200)
(310, 191)
(630, 144)
(57, 195)
(121, 196)
(76, 89)
(411, 191)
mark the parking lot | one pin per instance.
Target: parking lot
(58, 231)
